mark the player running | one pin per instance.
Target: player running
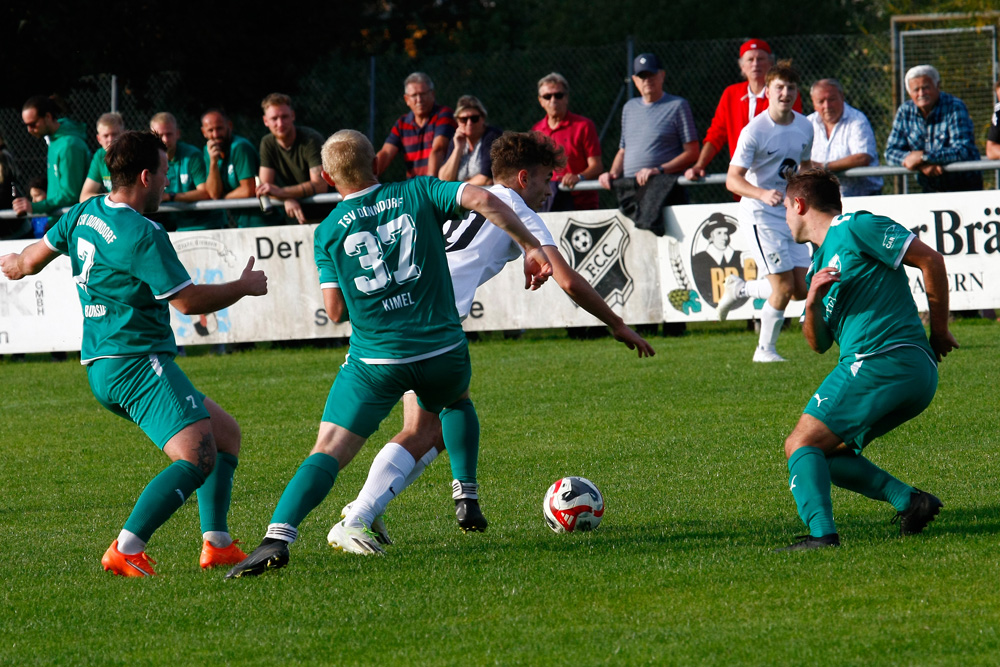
(381, 261)
(859, 296)
(477, 251)
(771, 148)
(127, 271)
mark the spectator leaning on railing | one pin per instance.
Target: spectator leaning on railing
(932, 129)
(842, 139)
(993, 136)
(469, 152)
(422, 135)
(186, 176)
(109, 127)
(232, 164)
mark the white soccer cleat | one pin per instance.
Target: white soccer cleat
(730, 295)
(378, 525)
(765, 356)
(353, 539)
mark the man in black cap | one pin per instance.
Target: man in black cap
(719, 260)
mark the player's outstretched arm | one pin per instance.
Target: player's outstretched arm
(578, 289)
(814, 327)
(537, 267)
(28, 262)
(931, 264)
(200, 299)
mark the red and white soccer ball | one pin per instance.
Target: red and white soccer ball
(573, 503)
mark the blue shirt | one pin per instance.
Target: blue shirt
(946, 135)
(653, 134)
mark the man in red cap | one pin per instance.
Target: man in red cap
(739, 103)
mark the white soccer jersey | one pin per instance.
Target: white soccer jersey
(771, 152)
(477, 249)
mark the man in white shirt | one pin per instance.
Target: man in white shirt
(842, 139)
(771, 149)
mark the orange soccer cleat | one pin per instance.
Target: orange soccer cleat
(213, 556)
(127, 565)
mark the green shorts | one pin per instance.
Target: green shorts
(363, 394)
(861, 400)
(151, 391)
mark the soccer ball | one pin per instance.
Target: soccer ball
(573, 503)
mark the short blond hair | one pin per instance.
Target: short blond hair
(348, 158)
(111, 119)
(276, 100)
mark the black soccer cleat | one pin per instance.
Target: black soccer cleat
(810, 542)
(470, 517)
(922, 510)
(270, 555)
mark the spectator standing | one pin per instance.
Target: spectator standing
(109, 127)
(423, 134)
(580, 142)
(232, 166)
(186, 177)
(290, 162)
(469, 152)
(739, 104)
(932, 129)
(993, 136)
(68, 155)
(658, 132)
(842, 138)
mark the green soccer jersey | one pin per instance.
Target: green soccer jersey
(240, 162)
(99, 170)
(383, 248)
(184, 174)
(125, 269)
(871, 309)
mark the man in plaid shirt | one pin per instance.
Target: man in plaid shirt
(932, 129)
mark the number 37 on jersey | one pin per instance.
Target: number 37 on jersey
(371, 249)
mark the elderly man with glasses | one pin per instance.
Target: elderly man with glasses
(422, 135)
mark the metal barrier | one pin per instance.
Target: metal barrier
(710, 179)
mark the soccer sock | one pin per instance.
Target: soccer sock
(220, 539)
(757, 289)
(770, 326)
(162, 497)
(856, 473)
(129, 543)
(215, 494)
(385, 477)
(809, 482)
(418, 468)
(460, 427)
(312, 481)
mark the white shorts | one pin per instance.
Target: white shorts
(774, 249)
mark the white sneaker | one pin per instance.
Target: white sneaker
(353, 539)
(766, 356)
(378, 525)
(730, 295)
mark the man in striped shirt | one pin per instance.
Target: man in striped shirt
(423, 135)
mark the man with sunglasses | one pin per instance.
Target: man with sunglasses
(658, 132)
(422, 135)
(579, 140)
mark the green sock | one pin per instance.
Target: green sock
(215, 494)
(856, 473)
(460, 428)
(312, 481)
(809, 482)
(163, 496)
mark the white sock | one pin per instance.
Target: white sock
(385, 479)
(282, 531)
(129, 543)
(757, 289)
(424, 461)
(220, 539)
(771, 320)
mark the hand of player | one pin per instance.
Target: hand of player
(605, 180)
(942, 343)
(10, 267)
(694, 173)
(570, 180)
(821, 283)
(537, 268)
(21, 206)
(633, 341)
(772, 198)
(255, 282)
(293, 209)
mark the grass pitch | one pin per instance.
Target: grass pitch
(686, 447)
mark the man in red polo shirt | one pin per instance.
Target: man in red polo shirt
(577, 136)
(423, 134)
(739, 103)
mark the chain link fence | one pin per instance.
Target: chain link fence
(366, 93)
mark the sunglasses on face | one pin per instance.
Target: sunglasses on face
(468, 119)
(549, 96)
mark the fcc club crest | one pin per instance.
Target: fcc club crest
(596, 250)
